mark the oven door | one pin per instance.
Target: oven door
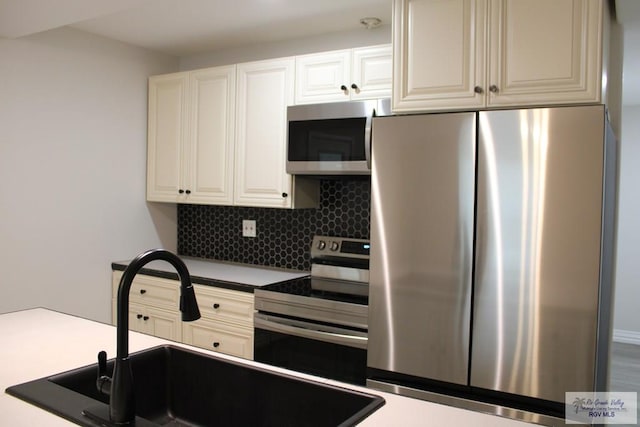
(326, 351)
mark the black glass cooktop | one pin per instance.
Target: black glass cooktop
(327, 289)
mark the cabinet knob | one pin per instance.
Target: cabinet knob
(478, 90)
(216, 344)
(188, 191)
(143, 291)
(355, 87)
(493, 89)
(139, 316)
(181, 191)
(216, 305)
(344, 89)
(285, 195)
(145, 318)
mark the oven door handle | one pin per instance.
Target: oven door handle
(310, 330)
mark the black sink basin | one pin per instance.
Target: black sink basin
(175, 386)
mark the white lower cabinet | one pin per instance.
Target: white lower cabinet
(154, 321)
(226, 324)
(218, 336)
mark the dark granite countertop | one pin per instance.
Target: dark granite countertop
(239, 277)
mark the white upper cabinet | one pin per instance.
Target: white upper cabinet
(212, 135)
(343, 75)
(545, 51)
(265, 90)
(167, 133)
(458, 54)
(371, 72)
(200, 152)
(191, 136)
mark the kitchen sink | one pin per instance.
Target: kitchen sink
(177, 386)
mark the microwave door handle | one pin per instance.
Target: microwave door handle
(367, 138)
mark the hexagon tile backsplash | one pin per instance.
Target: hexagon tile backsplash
(283, 236)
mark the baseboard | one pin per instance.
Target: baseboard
(627, 337)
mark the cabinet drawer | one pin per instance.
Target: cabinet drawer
(152, 291)
(224, 304)
(216, 336)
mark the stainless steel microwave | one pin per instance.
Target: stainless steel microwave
(333, 138)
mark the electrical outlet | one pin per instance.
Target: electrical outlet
(248, 228)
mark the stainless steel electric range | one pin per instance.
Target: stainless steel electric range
(318, 324)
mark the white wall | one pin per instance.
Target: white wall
(627, 285)
(326, 42)
(627, 291)
(72, 169)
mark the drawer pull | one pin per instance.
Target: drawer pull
(216, 344)
(143, 291)
(216, 306)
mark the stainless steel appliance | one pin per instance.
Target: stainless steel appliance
(333, 138)
(491, 262)
(318, 324)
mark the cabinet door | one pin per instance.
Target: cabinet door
(323, 77)
(138, 317)
(210, 167)
(545, 51)
(155, 321)
(167, 132)
(164, 323)
(438, 54)
(265, 89)
(371, 70)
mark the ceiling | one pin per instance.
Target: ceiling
(185, 27)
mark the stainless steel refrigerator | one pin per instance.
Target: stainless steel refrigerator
(491, 257)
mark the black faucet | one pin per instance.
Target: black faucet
(120, 386)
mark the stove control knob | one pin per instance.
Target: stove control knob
(322, 244)
(334, 246)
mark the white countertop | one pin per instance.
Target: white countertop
(39, 342)
(227, 272)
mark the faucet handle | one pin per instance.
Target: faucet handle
(103, 382)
